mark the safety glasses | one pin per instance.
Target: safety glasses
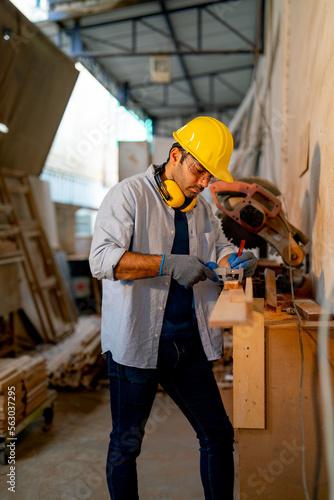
(197, 170)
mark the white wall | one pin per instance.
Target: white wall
(299, 103)
(86, 143)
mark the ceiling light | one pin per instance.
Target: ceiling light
(160, 69)
(3, 128)
(6, 33)
(78, 66)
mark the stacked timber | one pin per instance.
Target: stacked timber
(76, 360)
(23, 387)
(35, 381)
(11, 395)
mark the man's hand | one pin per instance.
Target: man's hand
(247, 260)
(186, 269)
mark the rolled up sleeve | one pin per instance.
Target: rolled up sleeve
(112, 233)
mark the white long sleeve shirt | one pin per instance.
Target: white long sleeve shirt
(133, 217)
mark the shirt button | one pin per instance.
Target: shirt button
(172, 231)
(166, 283)
(161, 308)
(157, 335)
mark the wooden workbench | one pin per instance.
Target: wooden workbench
(267, 366)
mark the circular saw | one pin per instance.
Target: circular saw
(250, 210)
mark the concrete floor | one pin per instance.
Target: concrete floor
(68, 461)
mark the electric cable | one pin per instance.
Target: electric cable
(301, 346)
(301, 385)
(327, 395)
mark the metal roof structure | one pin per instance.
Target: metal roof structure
(168, 60)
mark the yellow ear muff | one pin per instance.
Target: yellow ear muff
(190, 206)
(177, 198)
(172, 194)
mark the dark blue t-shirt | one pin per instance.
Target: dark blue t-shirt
(179, 319)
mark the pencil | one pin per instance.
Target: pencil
(242, 244)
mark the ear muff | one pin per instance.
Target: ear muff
(189, 206)
(176, 197)
(172, 194)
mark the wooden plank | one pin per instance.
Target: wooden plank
(233, 307)
(5, 207)
(76, 355)
(270, 288)
(312, 311)
(18, 189)
(249, 293)
(249, 371)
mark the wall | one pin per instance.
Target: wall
(85, 144)
(300, 114)
(134, 158)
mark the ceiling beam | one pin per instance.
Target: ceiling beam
(229, 85)
(130, 53)
(124, 91)
(60, 10)
(207, 107)
(77, 15)
(179, 55)
(107, 43)
(230, 28)
(198, 75)
(164, 34)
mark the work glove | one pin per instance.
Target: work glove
(247, 260)
(186, 269)
(212, 265)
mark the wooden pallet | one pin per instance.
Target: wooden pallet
(46, 409)
(21, 226)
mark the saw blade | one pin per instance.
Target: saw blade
(236, 233)
(262, 182)
(233, 231)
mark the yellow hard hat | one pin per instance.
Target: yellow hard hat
(210, 142)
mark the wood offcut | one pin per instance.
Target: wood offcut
(312, 311)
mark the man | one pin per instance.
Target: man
(153, 236)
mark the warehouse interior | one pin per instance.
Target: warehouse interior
(91, 92)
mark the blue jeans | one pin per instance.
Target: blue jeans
(185, 374)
